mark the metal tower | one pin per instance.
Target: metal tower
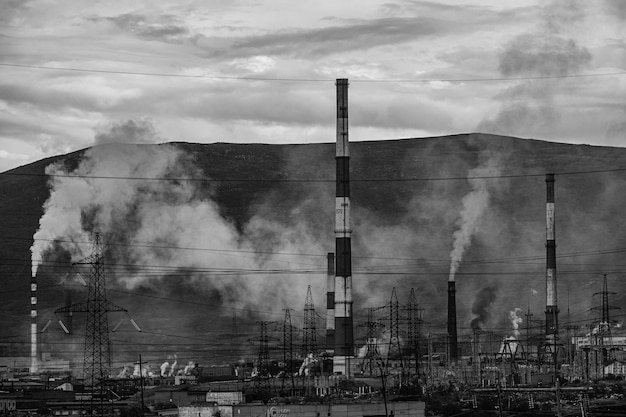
(309, 344)
(287, 349)
(372, 358)
(97, 364)
(604, 336)
(414, 322)
(263, 362)
(395, 350)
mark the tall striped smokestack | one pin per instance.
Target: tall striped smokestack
(33, 324)
(330, 303)
(344, 337)
(552, 311)
(452, 332)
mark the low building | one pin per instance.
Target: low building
(365, 409)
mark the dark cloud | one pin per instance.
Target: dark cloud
(12, 10)
(616, 8)
(346, 35)
(538, 54)
(341, 38)
(129, 131)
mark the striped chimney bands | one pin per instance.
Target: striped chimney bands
(552, 311)
(344, 336)
(33, 325)
(330, 303)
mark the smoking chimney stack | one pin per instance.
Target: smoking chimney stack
(552, 311)
(33, 325)
(452, 332)
(330, 303)
(344, 337)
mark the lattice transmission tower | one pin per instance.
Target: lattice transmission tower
(288, 351)
(414, 323)
(372, 360)
(395, 350)
(604, 336)
(97, 359)
(309, 344)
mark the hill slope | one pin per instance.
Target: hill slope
(263, 215)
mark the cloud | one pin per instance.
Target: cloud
(256, 64)
(529, 108)
(13, 10)
(160, 27)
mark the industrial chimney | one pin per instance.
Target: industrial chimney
(330, 303)
(452, 332)
(344, 337)
(33, 324)
(552, 311)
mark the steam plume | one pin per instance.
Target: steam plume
(474, 205)
(516, 320)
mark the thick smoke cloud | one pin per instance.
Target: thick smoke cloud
(480, 308)
(154, 228)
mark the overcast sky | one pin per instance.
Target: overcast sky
(525, 67)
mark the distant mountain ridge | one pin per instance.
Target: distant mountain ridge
(408, 196)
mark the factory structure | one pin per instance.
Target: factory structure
(404, 358)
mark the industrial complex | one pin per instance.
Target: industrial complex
(403, 367)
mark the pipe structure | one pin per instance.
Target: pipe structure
(330, 303)
(452, 331)
(33, 325)
(344, 332)
(552, 311)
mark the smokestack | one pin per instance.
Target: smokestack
(33, 324)
(330, 303)
(344, 338)
(452, 334)
(552, 311)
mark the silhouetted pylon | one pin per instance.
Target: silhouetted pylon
(395, 350)
(309, 344)
(97, 364)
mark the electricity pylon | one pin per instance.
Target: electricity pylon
(97, 364)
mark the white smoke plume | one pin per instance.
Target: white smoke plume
(474, 205)
(148, 222)
(516, 320)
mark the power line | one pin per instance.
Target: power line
(309, 80)
(311, 180)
